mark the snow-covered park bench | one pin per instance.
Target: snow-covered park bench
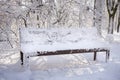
(59, 41)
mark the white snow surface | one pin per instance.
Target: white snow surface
(66, 67)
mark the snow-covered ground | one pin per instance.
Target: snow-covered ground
(67, 67)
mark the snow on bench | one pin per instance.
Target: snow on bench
(59, 41)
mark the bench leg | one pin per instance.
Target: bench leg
(107, 55)
(95, 55)
(21, 57)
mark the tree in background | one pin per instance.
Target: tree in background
(118, 26)
(112, 6)
(98, 11)
(57, 13)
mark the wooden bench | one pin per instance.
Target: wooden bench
(74, 51)
(41, 52)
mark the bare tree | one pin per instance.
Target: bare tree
(98, 11)
(112, 6)
(118, 25)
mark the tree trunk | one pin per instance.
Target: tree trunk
(98, 9)
(112, 9)
(118, 26)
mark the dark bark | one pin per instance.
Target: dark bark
(38, 17)
(112, 9)
(94, 11)
(98, 15)
(118, 25)
(25, 23)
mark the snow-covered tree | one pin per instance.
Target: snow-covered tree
(98, 11)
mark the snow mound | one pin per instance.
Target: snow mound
(35, 39)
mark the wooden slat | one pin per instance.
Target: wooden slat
(60, 52)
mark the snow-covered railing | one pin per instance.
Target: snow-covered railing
(44, 42)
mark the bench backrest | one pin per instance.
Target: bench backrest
(34, 39)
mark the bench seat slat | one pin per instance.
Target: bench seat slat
(73, 51)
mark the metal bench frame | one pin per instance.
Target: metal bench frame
(71, 51)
